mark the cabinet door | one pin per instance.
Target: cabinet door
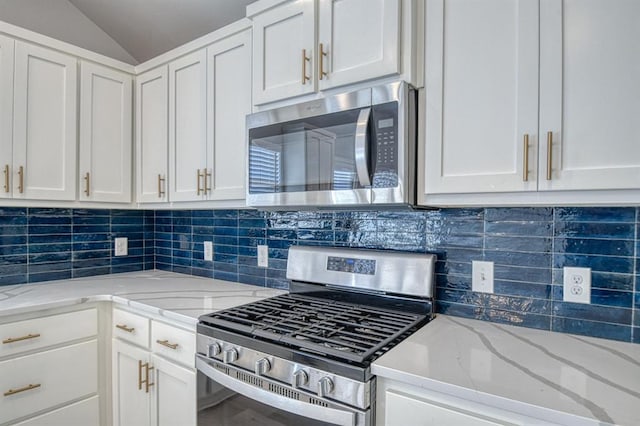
(6, 114)
(44, 124)
(131, 402)
(482, 95)
(188, 127)
(283, 52)
(229, 101)
(105, 134)
(590, 94)
(174, 394)
(152, 143)
(360, 40)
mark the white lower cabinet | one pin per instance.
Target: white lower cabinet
(49, 370)
(154, 384)
(399, 404)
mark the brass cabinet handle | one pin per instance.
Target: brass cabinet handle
(199, 175)
(549, 154)
(166, 343)
(6, 178)
(207, 181)
(21, 179)
(140, 381)
(125, 328)
(161, 182)
(147, 383)
(87, 178)
(321, 55)
(26, 388)
(305, 59)
(525, 158)
(19, 339)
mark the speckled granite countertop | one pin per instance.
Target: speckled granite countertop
(548, 375)
(175, 296)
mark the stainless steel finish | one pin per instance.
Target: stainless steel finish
(264, 390)
(348, 391)
(360, 153)
(229, 355)
(213, 349)
(337, 103)
(300, 378)
(403, 193)
(325, 387)
(397, 273)
(262, 366)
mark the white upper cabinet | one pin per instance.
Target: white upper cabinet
(590, 94)
(6, 114)
(538, 96)
(357, 40)
(189, 175)
(283, 54)
(229, 101)
(482, 95)
(105, 134)
(152, 137)
(44, 124)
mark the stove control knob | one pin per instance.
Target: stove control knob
(214, 349)
(229, 356)
(262, 366)
(300, 378)
(325, 387)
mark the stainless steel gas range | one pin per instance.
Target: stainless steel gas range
(305, 357)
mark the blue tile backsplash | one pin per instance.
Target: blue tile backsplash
(529, 246)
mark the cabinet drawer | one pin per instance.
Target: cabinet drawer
(83, 413)
(38, 333)
(173, 343)
(46, 379)
(131, 327)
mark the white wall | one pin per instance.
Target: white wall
(61, 20)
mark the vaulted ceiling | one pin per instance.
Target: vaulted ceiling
(142, 28)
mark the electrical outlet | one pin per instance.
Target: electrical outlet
(263, 256)
(577, 285)
(121, 246)
(208, 250)
(482, 276)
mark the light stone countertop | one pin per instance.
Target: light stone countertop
(551, 376)
(177, 297)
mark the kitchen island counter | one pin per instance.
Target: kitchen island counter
(546, 375)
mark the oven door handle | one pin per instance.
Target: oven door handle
(360, 149)
(330, 415)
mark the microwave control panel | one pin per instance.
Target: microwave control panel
(385, 123)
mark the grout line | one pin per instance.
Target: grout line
(553, 251)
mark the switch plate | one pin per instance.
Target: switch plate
(208, 250)
(577, 285)
(121, 246)
(482, 276)
(263, 256)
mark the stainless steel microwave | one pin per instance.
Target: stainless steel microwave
(351, 149)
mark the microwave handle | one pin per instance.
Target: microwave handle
(361, 154)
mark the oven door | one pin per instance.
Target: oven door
(230, 396)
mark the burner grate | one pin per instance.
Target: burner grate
(340, 329)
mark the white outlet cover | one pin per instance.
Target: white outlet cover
(263, 256)
(482, 276)
(576, 285)
(121, 246)
(208, 250)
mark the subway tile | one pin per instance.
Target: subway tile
(518, 243)
(532, 260)
(49, 276)
(595, 214)
(12, 279)
(530, 229)
(622, 265)
(592, 312)
(519, 214)
(594, 246)
(613, 231)
(602, 280)
(591, 328)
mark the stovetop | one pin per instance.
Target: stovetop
(337, 329)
